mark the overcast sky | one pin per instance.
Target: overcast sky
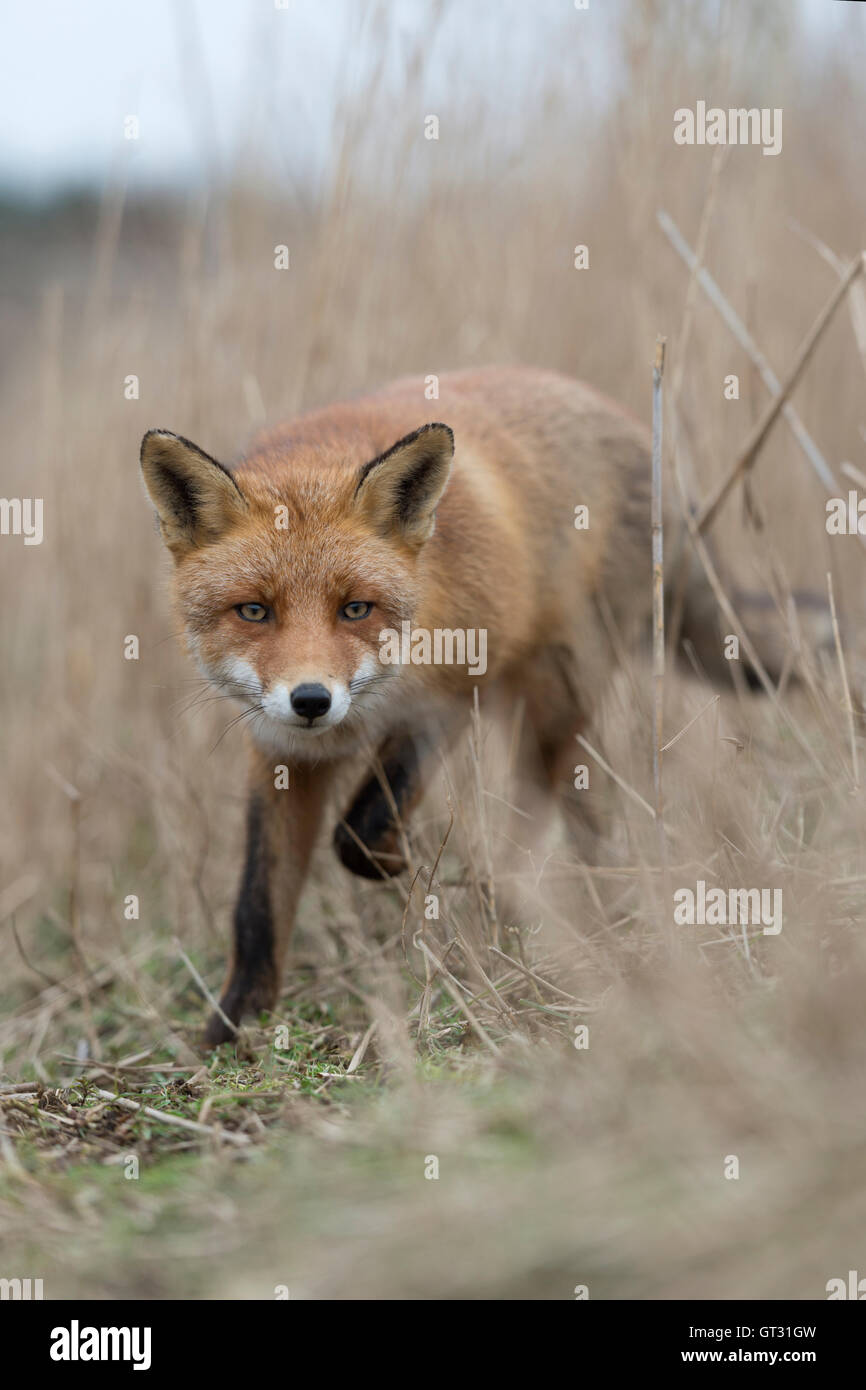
(72, 70)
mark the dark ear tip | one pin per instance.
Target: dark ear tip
(151, 434)
(438, 425)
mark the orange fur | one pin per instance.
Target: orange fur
(487, 542)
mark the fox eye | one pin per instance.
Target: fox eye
(356, 610)
(252, 612)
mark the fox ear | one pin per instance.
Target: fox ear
(196, 499)
(399, 491)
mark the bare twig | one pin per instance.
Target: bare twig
(849, 708)
(807, 444)
(629, 791)
(214, 1003)
(360, 1051)
(73, 796)
(658, 582)
(490, 901)
(753, 445)
(168, 1119)
(453, 987)
(857, 297)
(684, 730)
(530, 974)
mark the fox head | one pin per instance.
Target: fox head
(287, 571)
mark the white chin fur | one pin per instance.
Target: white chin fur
(297, 741)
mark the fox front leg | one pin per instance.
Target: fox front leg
(282, 824)
(368, 839)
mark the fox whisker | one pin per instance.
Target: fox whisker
(244, 714)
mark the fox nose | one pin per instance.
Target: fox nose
(309, 701)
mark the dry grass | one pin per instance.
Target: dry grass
(557, 1166)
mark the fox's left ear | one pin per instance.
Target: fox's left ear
(196, 499)
(399, 491)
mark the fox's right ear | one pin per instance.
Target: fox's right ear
(196, 499)
(399, 491)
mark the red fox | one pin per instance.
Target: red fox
(525, 517)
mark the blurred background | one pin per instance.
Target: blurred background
(154, 158)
